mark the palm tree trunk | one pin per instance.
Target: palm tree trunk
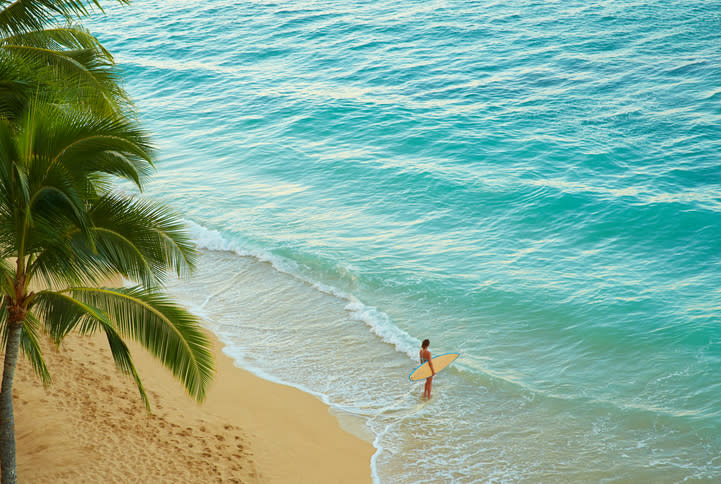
(7, 419)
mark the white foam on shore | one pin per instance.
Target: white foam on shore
(379, 322)
(381, 325)
(210, 239)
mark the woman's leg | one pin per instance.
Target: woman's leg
(427, 388)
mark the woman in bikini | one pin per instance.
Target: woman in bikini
(425, 355)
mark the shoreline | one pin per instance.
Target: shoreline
(90, 424)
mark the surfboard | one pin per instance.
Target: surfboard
(439, 362)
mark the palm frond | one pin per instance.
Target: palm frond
(138, 239)
(8, 155)
(31, 349)
(50, 193)
(14, 88)
(68, 65)
(169, 332)
(85, 143)
(6, 278)
(24, 15)
(140, 236)
(123, 360)
(71, 66)
(70, 37)
(80, 71)
(64, 313)
(65, 256)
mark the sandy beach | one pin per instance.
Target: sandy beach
(91, 426)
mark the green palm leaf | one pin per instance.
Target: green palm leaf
(84, 143)
(123, 360)
(169, 332)
(14, 88)
(6, 273)
(24, 15)
(141, 239)
(84, 73)
(31, 349)
(70, 37)
(63, 313)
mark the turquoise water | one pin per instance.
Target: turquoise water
(536, 185)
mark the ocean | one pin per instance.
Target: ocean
(535, 185)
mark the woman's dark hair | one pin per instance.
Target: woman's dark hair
(426, 343)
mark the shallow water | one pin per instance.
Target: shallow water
(533, 184)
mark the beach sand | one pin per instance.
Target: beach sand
(91, 426)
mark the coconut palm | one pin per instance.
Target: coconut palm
(65, 229)
(67, 61)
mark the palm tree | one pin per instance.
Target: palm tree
(66, 229)
(66, 61)
(60, 222)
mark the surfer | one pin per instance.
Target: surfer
(425, 355)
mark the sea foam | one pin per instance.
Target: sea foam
(378, 321)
